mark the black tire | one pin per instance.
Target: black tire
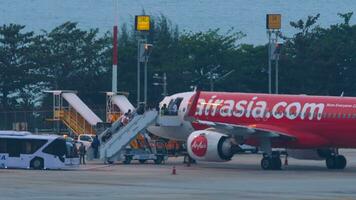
(158, 160)
(274, 163)
(277, 163)
(37, 163)
(331, 162)
(266, 163)
(340, 162)
(254, 151)
(142, 161)
(127, 160)
(110, 162)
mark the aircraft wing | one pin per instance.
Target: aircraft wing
(248, 130)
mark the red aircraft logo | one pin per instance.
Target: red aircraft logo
(199, 145)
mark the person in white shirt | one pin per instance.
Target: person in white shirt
(174, 109)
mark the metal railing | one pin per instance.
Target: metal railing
(37, 121)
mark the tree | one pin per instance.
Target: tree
(18, 71)
(204, 51)
(75, 59)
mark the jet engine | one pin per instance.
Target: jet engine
(209, 145)
(310, 154)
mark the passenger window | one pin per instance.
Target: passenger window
(14, 147)
(86, 138)
(31, 146)
(3, 145)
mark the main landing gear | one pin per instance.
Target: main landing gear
(336, 162)
(271, 162)
(271, 159)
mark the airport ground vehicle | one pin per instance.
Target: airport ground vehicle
(86, 139)
(157, 153)
(25, 150)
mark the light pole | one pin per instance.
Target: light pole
(269, 63)
(142, 28)
(140, 58)
(147, 53)
(277, 52)
(273, 26)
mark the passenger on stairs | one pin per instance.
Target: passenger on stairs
(129, 114)
(124, 119)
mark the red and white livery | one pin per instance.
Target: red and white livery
(215, 123)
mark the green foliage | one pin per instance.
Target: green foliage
(17, 73)
(320, 60)
(315, 60)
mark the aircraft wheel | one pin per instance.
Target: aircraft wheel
(127, 160)
(340, 162)
(331, 162)
(268, 163)
(158, 160)
(277, 163)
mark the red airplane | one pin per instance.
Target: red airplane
(214, 124)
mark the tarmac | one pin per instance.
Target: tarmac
(240, 178)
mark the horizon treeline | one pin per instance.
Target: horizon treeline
(316, 61)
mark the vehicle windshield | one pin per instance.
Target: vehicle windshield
(86, 138)
(57, 148)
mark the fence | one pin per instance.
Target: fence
(35, 121)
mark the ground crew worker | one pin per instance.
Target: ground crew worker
(82, 152)
(95, 144)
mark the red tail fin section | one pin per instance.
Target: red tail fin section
(192, 106)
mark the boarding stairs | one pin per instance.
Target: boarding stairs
(75, 122)
(111, 148)
(73, 112)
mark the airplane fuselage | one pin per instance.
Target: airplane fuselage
(315, 121)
